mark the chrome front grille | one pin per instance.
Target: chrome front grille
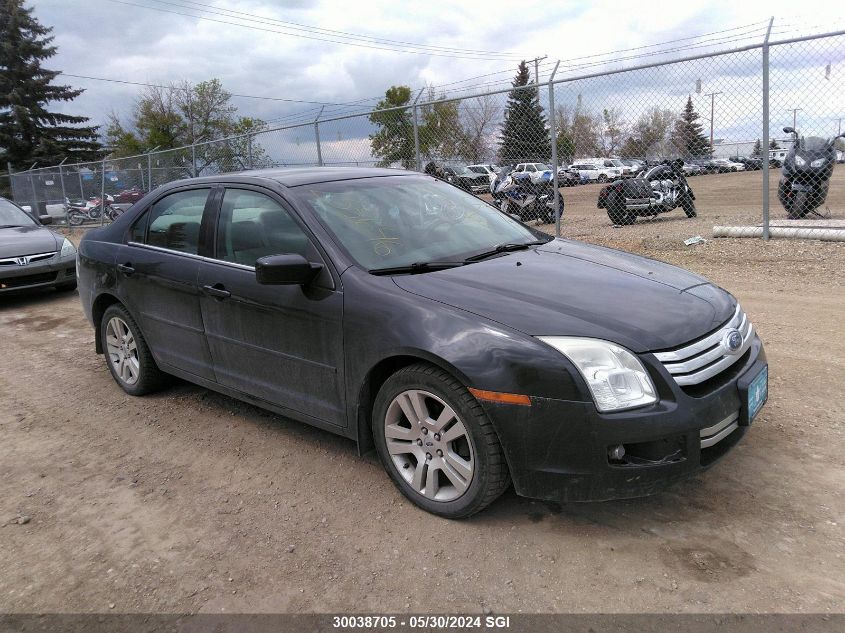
(694, 363)
(25, 260)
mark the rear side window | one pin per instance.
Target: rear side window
(175, 220)
(253, 225)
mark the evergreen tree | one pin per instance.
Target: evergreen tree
(687, 136)
(29, 130)
(758, 149)
(394, 141)
(774, 144)
(524, 134)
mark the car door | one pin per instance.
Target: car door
(281, 344)
(157, 277)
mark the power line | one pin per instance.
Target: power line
(297, 26)
(242, 96)
(308, 37)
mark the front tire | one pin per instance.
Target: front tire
(437, 443)
(617, 212)
(689, 207)
(127, 354)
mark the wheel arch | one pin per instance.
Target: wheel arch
(376, 377)
(98, 309)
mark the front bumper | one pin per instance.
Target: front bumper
(45, 273)
(558, 450)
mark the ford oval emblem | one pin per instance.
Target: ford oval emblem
(732, 341)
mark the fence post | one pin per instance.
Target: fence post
(417, 158)
(150, 171)
(34, 203)
(62, 179)
(317, 137)
(249, 150)
(553, 134)
(194, 160)
(765, 143)
(11, 180)
(103, 195)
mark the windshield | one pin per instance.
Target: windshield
(542, 167)
(616, 162)
(398, 221)
(12, 215)
(813, 144)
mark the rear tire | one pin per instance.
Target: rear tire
(468, 473)
(617, 212)
(689, 207)
(75, 218)
(127, 354)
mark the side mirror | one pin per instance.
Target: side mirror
(45, 219)
(289, 269)
(789, 130)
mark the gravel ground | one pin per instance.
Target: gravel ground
(188, 501)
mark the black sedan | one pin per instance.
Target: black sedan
(32, 256)
(397, 310)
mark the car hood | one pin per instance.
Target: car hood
(567, 288)
(27, 240)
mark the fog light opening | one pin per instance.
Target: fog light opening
(616, 453)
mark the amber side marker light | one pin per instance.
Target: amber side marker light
(498, 396)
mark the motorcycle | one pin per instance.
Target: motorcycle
(806, 174)
(80, 211)
(519, 197)
(661, 189)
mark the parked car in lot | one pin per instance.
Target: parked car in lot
(567, 177)
(477, 178)
(391, 308)
(691, 169)
(635, 165)
(595, 171)
(31, 255)
(749, 162)
(723, 165)
(537, 173)
(129, 196)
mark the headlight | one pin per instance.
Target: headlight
(617, 379)
(68, 248)
(819, 162)
(800, 161)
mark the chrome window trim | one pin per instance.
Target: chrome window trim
(192, 256)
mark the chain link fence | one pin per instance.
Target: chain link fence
(680, 145)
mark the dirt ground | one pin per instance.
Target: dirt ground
(188, 501)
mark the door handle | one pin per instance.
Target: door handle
(218, 291)
(126, 268)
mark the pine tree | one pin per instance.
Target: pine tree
(524, 134)
(688, 136)
(29, 131)
(773, 144)
(757, 152)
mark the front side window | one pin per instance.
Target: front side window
(253, 225)
(398, 221)
(174, 221)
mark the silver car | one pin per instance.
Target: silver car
(32, 256)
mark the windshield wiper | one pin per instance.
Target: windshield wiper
(503, 248)
(11, 226)
(415, 268)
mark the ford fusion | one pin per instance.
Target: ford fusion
(470, 350)
(32, 256)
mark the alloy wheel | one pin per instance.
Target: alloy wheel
(122, 351)
(429, 445)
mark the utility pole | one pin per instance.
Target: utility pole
(712, 96)
(839, 129)
(537, 61)
(795, 112)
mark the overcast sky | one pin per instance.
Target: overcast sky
(105, 38)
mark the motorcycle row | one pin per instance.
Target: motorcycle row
(802, 189)
(79, 211)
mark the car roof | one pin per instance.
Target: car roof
(296, 176)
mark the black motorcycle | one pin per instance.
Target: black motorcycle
(806, 174)
(661, 189)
